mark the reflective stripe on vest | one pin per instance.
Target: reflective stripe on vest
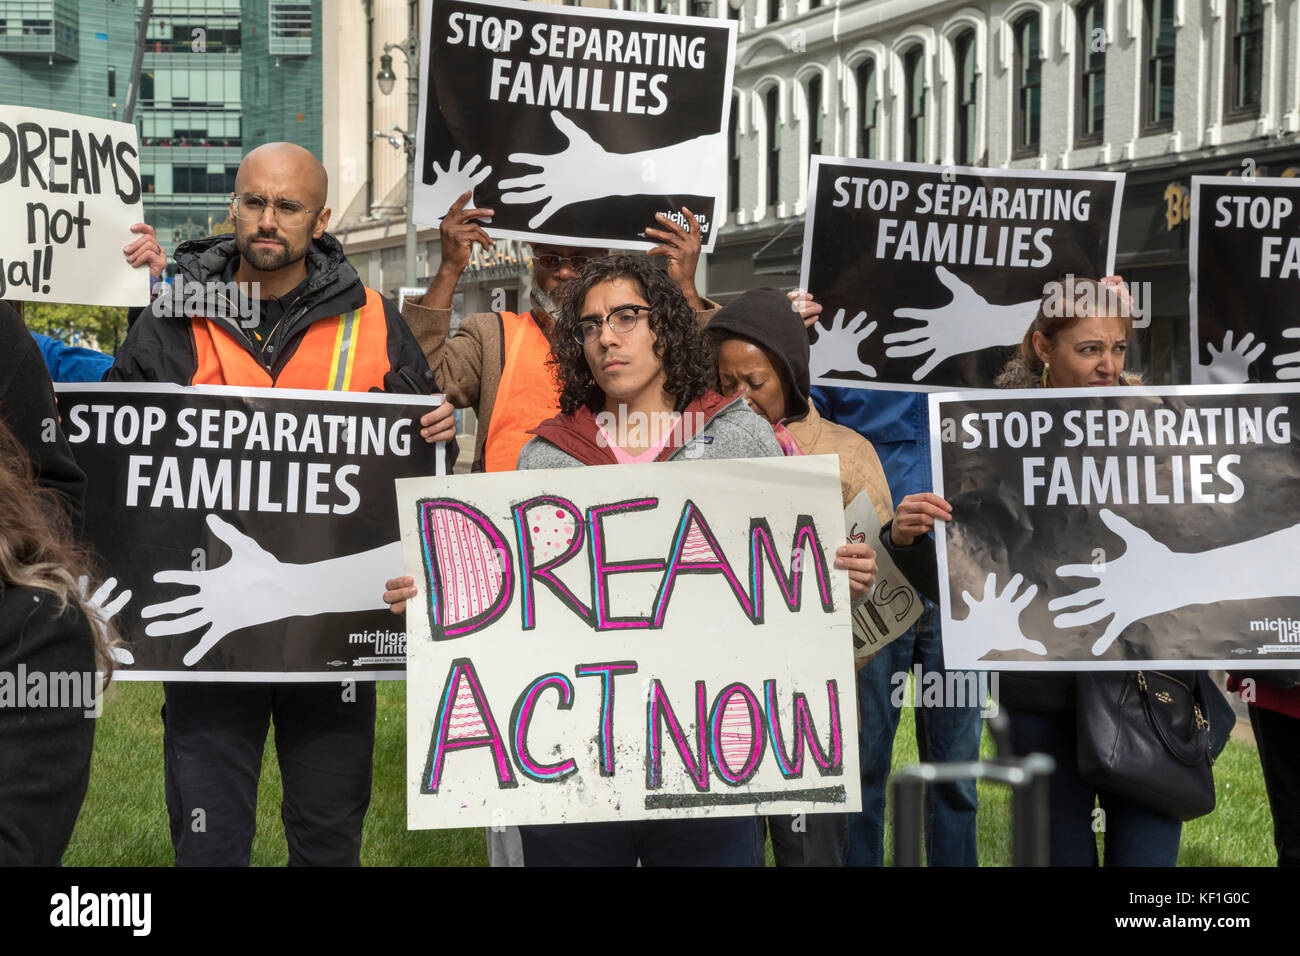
(346, 353)
(526, 394)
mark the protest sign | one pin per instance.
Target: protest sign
(930, 275)
(574, 126)
(1119, 528)
(1245, 277)
(72, 187)
(660, 640)
(894, 605)
(276, 504)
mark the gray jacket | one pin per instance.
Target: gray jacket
(732, 431)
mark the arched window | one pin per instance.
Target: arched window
(1158, 92)
(772, 143)
(1029, 83)
(966, 108)
(914, 83)
(816, 122)
(868, 133)
(1092, 72)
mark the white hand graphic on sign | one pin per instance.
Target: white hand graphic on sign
(451, 183)
(585, 170)
(993, 623)
(1150, 578)
(254, 587)
(836, 348)
(103, 608)
(1288, 364)
(966, 324)
(1230, 365)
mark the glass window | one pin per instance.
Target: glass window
(914, 77)
(964, 134)
(771, 104)
(1029, 79)
(1246, 24)
(868, 143)
(733, 157)
(816, 121)
(1159, 90)
(1092, 71)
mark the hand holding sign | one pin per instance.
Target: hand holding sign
(966, 324)
(836, 348)
(1230, 365)
(993, 623)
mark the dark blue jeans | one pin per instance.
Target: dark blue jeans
(943, 734)
(1134, 835)
(724, 841)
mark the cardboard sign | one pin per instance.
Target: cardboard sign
(628, 642)
(1245, 272)
(574, 125)
(893, 605)
(1119, 528)
(930, 275)
(71, 185)
(276, 505)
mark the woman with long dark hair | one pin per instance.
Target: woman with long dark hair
(52, 641)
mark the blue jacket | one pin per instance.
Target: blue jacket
(896, 423)
(68, 363)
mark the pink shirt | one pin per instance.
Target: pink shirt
(623, 458)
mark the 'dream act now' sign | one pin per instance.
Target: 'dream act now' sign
(628, 642)
(70, 188)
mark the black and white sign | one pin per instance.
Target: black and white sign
(1245, 271)
(70, 188)
(1120, 528)
(253, 528)
(930, 275)
(575, 126)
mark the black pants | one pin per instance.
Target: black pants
(213, 739)
(1278, 738)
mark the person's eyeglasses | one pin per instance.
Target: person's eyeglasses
(549, 261)
(288, 212)
(622, 320)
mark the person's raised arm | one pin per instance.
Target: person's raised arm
(458, 232)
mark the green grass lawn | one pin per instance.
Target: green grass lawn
(124, 820)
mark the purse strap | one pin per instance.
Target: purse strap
(1187, 752)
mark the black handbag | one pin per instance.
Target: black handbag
(1143, 736)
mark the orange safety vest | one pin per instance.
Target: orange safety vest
(348, 353)
(526, 396)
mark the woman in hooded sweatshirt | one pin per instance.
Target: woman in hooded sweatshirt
(760, 344)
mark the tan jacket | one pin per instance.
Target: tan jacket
(859, 464)
(468, 365)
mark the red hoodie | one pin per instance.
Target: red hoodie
(579, 435)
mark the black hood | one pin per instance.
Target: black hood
(333, 286)
(765, 317)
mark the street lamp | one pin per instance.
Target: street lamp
(385, 79)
